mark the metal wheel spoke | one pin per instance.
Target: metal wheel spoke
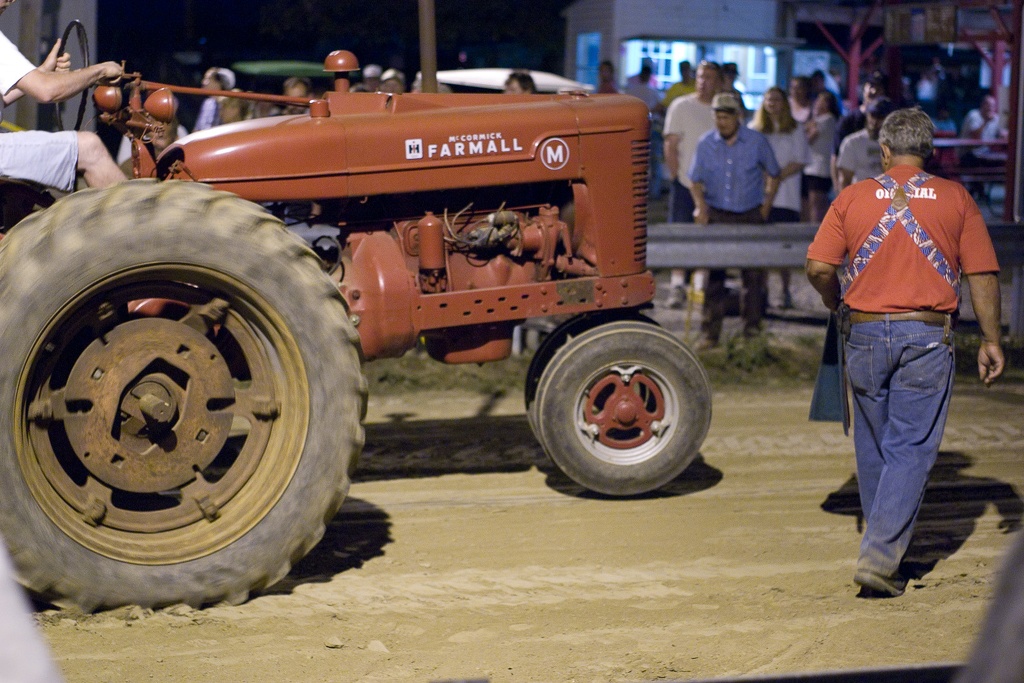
(205, 317)
(96, 502)
(105, 317)
(256, 403)
(50, 407)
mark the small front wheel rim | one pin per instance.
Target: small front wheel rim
(624, 413)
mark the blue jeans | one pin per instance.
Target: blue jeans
(901, 373)
(656, 182)
(681, 203)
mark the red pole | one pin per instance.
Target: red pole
(998, 62)
(855, 55)
(1013, 179)
(853, 76)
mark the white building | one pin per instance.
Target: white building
(666, 32)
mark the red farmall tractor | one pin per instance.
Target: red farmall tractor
(181, 391)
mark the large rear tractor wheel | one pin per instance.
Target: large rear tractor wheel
(623, 408)
(180, 397)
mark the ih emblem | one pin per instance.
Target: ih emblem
(414, 149)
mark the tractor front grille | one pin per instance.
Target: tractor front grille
(641, 184)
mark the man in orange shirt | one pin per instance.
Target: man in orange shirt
(908, 236)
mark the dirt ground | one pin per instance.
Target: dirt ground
(460, 553)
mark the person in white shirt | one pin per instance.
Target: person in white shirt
(800, 103)
(860, 156)
(817, 173)
(24, 654)
(981, 124)
(215, 78)
(642, 87)
(52, 159)
(687, 119)
(639, 86)
(789, 142)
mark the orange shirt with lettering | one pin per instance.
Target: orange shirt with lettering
(898, 277)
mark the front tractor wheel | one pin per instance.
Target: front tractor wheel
(180, 397)
(623, 408)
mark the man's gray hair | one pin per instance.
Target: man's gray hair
(908, 132)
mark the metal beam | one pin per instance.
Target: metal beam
(1015, 184)
(855, 55)
(920, 673)
(686, 245)
(914, 673)
(784, 245)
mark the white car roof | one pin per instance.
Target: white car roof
(494, 79)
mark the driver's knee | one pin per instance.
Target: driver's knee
(91, 150)
(95, 162)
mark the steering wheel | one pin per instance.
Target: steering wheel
(83, 45)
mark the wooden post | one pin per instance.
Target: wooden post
(26, 114)
(428, 46)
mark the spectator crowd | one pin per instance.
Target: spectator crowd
(816, 150)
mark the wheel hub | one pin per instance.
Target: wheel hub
(627, 411)
(139, 405)
(149, 408)
(624, 408)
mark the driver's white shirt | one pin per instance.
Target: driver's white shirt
(13, 67)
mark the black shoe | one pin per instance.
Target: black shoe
(875, 585)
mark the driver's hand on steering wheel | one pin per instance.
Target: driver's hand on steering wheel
(111, 72)
(55, 62)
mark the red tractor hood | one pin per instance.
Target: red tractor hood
(372, 143)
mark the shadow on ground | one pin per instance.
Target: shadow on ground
(361, 531)
(357, 534)
(953, 504)
(486, 444)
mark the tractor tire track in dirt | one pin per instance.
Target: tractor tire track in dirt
(462, 553)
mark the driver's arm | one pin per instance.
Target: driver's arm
(52, 82)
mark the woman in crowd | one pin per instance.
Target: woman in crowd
(820, 130)
(233, 109)
(215, 78)
(786, 136)
(800, 104)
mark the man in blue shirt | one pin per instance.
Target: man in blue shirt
(735, 176)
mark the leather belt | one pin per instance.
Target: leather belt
(934, 318)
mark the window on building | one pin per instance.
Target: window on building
(663, 55)
(757, 64)
(588, 56)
